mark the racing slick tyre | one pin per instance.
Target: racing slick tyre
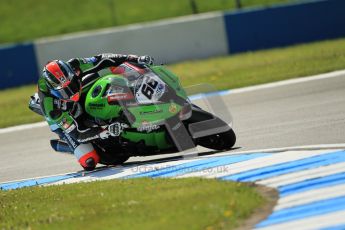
(109, 157)
(220, 141)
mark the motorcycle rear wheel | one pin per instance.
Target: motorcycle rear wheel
(108, 156)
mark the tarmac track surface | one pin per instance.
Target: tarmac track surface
(305, 113)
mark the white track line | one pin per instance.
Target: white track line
(338, 73)
(310, 196)
(23, 127)
(333, 74)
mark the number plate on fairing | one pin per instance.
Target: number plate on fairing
(149, 89)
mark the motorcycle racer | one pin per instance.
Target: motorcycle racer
(60, 95)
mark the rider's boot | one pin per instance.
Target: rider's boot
(60, 146)
(89, 164)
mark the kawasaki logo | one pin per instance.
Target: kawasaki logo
(96, 105)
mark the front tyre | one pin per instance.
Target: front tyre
(220, 141)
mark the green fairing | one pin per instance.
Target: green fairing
(154, 114)
(155, 138)
(145, 115)
(171, 79)
(97, 105)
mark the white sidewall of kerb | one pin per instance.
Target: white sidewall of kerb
(184, 38)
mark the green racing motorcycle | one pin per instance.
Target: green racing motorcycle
(157, 115)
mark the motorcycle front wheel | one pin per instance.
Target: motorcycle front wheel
(220, 141)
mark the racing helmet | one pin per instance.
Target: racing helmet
(62, 81)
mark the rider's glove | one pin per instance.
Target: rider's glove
(145, 60)
(116, 128)
(104, 134)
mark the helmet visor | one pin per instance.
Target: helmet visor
(70, 90)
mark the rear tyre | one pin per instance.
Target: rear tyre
(109, 156)
(115, 161)
(220, 141)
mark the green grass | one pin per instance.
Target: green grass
(30, 19)
(130, 204)
(14, 106)
(224, 73)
